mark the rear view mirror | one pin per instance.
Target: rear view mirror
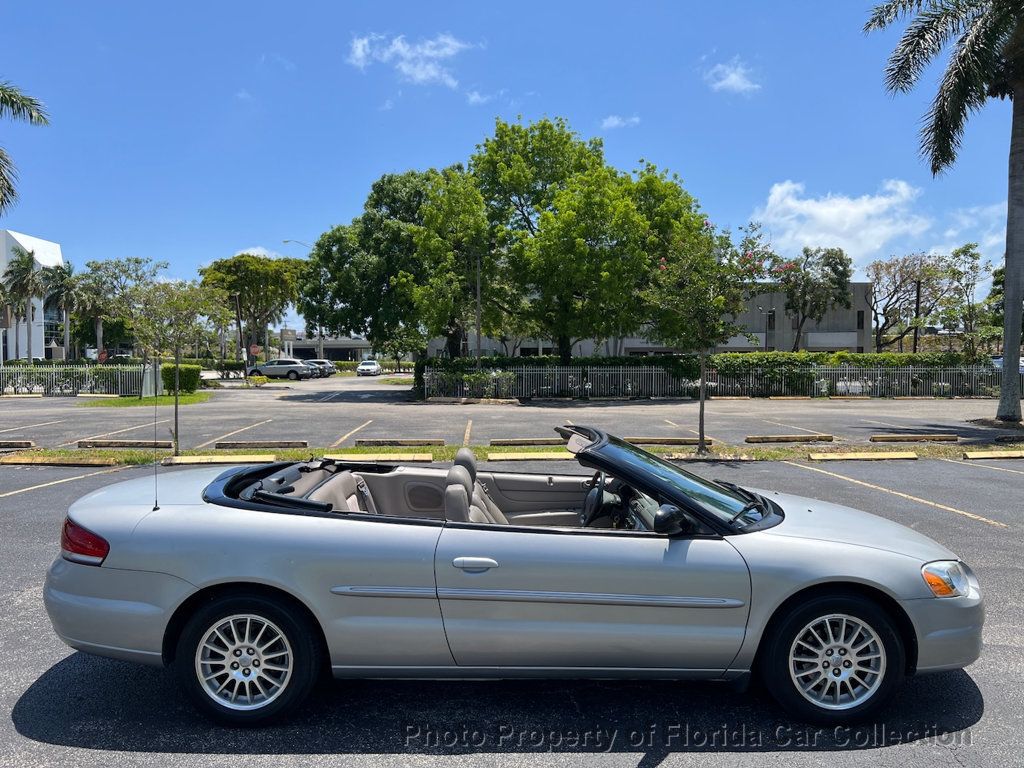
(668, 519)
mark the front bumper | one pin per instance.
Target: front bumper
(948, 630)
(112, 612)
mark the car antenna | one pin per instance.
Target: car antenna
(156, 455)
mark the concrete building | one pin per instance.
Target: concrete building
(765, 319)
(47, 325)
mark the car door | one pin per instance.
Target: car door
(537, 499)
(545, 597)
(271, 368)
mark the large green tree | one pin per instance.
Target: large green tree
(18, 106)
(583, 264)
(903, 293)
(814, 282)
(107, 289)
(260, 287)
(361, 276)
(64, 287)
(985, 39)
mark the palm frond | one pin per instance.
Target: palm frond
(924, 38)
(964, 85)
(886, 13)
(21, 106)
(8, 177)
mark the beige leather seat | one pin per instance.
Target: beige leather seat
(464, 458)
(346, 492)
(459, 505)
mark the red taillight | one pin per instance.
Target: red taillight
(81, 545)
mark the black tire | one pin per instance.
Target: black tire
(255, 372)
(774, 661)
(306, 666)
(293, 375)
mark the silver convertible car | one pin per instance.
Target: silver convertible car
(250, 583)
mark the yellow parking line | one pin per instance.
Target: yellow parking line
(694, 431)
(349, 434)
(29, 426)
(469, 428)
(58, 482)
(902, 495)
(115, 432)
(229, 434)
(984, 466)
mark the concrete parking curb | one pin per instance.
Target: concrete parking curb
(125, 444)
(378, 442)
(94, 395)
(863, 456)
(60, 461)
(417, 457)
(472, 401)
(236, 459)
(11, 444)
(973, 455)
(914, 438)
(531, 456)
(498, 441)
(234, 444)
(667, 440)
(808, 438)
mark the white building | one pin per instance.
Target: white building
(46, 321)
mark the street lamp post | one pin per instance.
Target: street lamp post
(319, 330)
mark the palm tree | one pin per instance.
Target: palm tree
(24, 283)
(5, 307)
(64, 287)
(986, 60)
(18, 106)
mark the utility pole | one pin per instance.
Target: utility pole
(479, 313)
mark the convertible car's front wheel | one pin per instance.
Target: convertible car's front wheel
(834, 660)
(246, 660)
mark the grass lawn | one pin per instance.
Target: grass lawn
(134, 402)
(402, 381)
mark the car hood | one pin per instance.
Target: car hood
(823, 521)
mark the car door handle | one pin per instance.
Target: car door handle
(474, 564)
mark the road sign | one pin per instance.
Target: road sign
(102, 356)
(287, 334)
(255, 349)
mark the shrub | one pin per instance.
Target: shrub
(188, 378)
(258, 381)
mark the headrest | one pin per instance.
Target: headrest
(459, 476)
(464, 458)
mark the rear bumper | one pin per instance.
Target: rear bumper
(111, 612)
(948, 630)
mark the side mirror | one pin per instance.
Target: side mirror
(667, 519)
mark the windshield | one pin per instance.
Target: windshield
(724, 503)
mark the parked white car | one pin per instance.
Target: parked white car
(284, 368)
(369, 368)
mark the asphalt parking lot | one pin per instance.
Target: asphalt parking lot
(67, 708)
(337, 411)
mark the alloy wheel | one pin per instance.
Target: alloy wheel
(837, 661)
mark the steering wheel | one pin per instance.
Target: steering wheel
(593, 499)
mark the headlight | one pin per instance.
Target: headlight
(946, 578)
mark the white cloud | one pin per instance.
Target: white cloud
(475, 98)
(424, 62)
(618, 121)
(243, 95)
(733, 76)
(387, 105)
(862, 226)
(981, 224)
(279, 61)
(259, 250)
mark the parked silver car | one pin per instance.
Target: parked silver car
(283, 368)
(327, 368)
(248, 582)
(369, 368)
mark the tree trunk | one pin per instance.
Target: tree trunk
(98, 326)
(1013, 288)
(67, 334)
(453, 342)
(702, 447)
(564, 350)
(17, 338)
(28, 329)
(799, 334)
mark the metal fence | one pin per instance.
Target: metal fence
(642, 381)
(70, 380)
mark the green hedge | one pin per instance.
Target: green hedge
(788, 366)
(188, 378)
(388, 366)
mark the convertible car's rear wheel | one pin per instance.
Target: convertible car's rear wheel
(834, 660)
(246, 660)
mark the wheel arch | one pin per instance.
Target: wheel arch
(904, 626)
(184, 611)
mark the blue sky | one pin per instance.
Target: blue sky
(190, 131)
